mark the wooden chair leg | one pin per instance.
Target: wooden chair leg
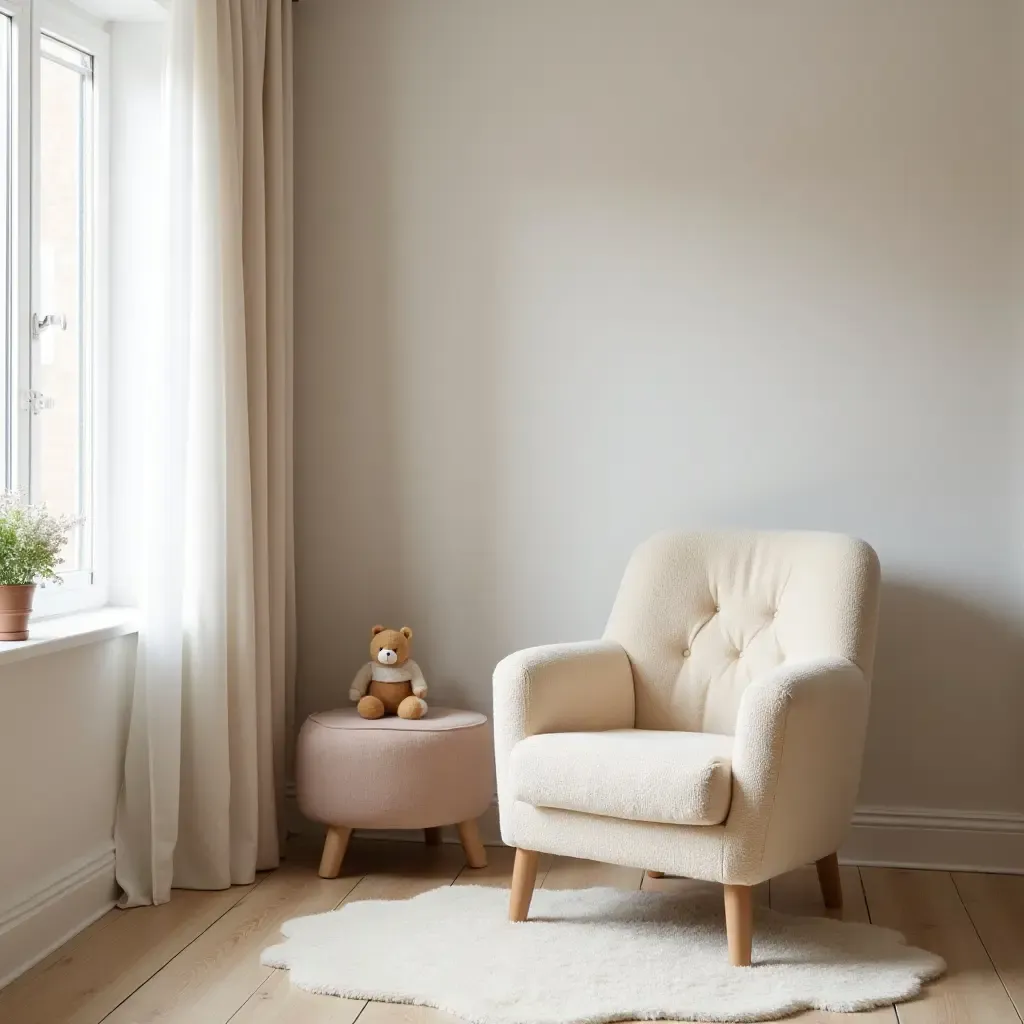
(334, 851)
(830, 882)
(655, 874)
(739, 923)
(432, 836)
(469, 836)
(524, 878)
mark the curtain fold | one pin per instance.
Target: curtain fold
(201, 804)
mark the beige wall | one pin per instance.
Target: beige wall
(569, 271)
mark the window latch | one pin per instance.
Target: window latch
(36, 402)
(50, 320)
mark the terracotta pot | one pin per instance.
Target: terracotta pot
(15, 608)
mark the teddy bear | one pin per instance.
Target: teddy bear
(390, 683)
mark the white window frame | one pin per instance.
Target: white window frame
(84, 589)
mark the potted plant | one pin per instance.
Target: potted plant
(31, 539)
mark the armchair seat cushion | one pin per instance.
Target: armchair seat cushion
(676, 778)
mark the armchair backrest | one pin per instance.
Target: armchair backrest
(701, 615)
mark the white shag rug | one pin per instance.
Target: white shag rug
(593, 955)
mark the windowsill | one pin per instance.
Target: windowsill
(63, 632)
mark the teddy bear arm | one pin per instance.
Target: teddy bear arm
(361, 682)
(419, 684)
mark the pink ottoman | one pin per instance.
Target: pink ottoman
(395, 773)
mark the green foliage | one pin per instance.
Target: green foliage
(30, 542)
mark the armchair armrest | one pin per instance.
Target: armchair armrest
(577, 687)
(796, 767)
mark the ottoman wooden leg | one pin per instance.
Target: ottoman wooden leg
(334, 851)
(469, 836)
(432, 836)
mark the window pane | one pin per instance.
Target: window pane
(59, 435)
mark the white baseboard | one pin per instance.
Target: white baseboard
(914, 837)
(904, 837)
(37, 924)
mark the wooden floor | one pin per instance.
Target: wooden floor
(195, 960)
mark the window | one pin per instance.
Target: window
(52, 252)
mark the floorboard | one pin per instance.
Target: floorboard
(196, 959)
(568, 873)
(676, 884)
(926, 907)
(499, 869)
(995, 904)
(277, 1002)
(85, 979)
(213, 976)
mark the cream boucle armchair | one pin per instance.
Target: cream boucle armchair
(715, 732)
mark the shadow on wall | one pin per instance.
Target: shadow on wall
(947, 703)
(345, 480)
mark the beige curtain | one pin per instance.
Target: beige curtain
(204, 773)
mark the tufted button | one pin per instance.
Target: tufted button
(686, 652)
(717, 609)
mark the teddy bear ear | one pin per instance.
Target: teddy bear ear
(406, 632)
(376, 630)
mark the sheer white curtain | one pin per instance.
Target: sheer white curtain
(205, 764)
